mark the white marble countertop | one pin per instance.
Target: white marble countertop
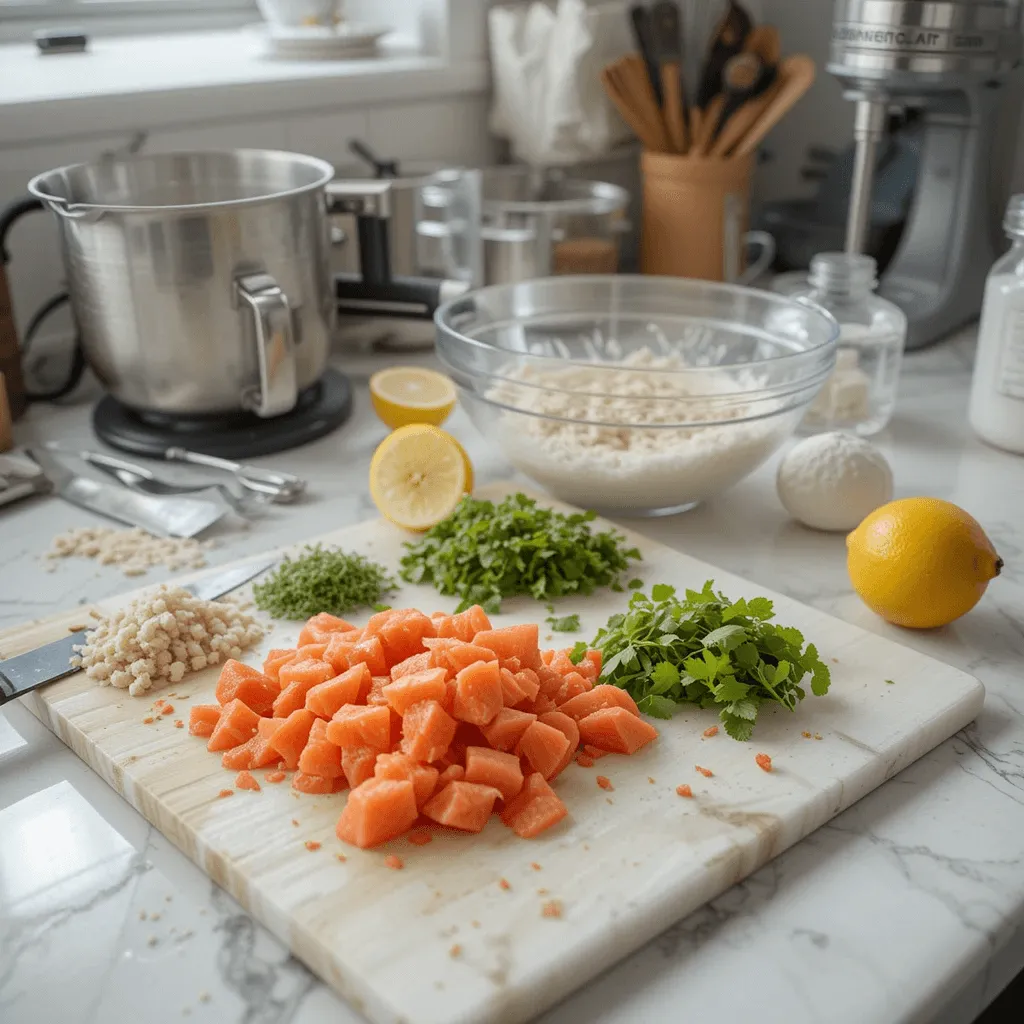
(908, 907)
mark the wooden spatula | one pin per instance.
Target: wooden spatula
(796, 75)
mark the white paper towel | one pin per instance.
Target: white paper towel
(546, 60)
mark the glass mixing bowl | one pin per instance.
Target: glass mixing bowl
(635, 395)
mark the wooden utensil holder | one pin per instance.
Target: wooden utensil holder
(687, 202)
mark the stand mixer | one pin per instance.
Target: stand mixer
(948, 58)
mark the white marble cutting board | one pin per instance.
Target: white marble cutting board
(443, 941)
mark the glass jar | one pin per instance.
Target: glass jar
(997, 390)
(861, 393)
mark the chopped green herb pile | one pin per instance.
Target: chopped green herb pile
(322, 580)
(484, 552)
(565, 624)
(707, 650)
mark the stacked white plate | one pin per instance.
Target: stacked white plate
(345, 41)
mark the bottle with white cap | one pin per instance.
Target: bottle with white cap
(997, 391)
(861, 393)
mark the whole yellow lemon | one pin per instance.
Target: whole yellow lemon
(921, 562)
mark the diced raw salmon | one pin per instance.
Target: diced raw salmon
(418, 686)
(254, 753)
(565, 725)
(402, 635)
(244, 780)
(320, 756)
(541, 706)
(317, 785)
(400, 766)
(356, 726)
(507, 728)
(427, 731)
(464, 625)
(357, 763)
(494, 768)
(311, 652)
(351, 687)
(550, 681)
(616, 730)
(237, 724)
(318, 629)
(379, 810)
(292, 736)
(376, 691)
(544, 747)
(601, 696)
(203, 719)
(339, 647)
(417, 663)
(562, 663)
(590, 666)
(513, 642)
(535, 809)
(275, 659)
(511, 692)
(462, 805)
(370, 653)
(296, 681)
(249, 685)
(478, 693)
(529, 682)
(453, 773)
(573, 684)
(512, 664)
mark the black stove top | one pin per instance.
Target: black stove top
(321, 408)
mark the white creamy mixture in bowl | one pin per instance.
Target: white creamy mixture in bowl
(635, 395)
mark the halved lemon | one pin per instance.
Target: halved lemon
(418, 476)
(412, 394)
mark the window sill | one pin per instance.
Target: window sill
(174, 79)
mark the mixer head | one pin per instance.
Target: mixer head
(884, 47)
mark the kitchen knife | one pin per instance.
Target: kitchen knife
(26, 672)
(162, 516)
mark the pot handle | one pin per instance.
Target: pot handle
(275, 346)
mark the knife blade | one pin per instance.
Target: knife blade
(162, 516)
(25, 672)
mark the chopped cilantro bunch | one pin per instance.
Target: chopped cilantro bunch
(322, 580)
(485, 552)
(706, 650)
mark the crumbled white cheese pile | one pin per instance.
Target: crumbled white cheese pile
(161, 638)
(133, 551)
(661, 440)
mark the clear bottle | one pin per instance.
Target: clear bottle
(861, 393)
(997, 391)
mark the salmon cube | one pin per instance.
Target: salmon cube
(320, 756)
(565, 725)
(291, 736)
(511, 692)
(601, 696)
(250, 686)
(339, 648)
(357, 726)
(351, 687)
(545, 748)
(464, 625)
(513, 642)
(297, 680)
(478, 693)
(357, 764)
(254, 753)
(462, 805)
(237, 724)
(514, 665)
(417, 663)
(541, 706)
(590, 666)
(416, 687)
(535, 809)
(401, 636)
(453, 773)
(616, 730)
(400, 766)
(317, 785)
(529, 682)
(375, 696)
(379, 810)
(573, 684)
(319, 628)
(427, 731)
(203, 719)
(550, 681)
(370, 653)
(310, 652)
(494, 768)
(506, 729)
(275, 659)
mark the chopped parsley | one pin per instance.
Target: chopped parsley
(709, 651)
(565, 624)
(484, 552)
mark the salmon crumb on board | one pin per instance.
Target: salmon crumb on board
(713, 731)
(148, 720)
(584, 760)
(553, 908)
(504, 883)
(179, 724)
(244, 780)
(341, 857)
(312, 845)
(225, 792)
(295, 822)
(706, 772)
(542, 892)
(420, 836)
(764, 762)
(455, 952)
(605, 783)
(650, 779)
(275, 776)
(394, 862)
(167, 709)
(535, 866)
(684, 790)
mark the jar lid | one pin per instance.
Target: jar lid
(1013, 221)
(848, 273)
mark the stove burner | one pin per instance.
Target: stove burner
(320, 409)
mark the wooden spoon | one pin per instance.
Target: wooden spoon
(796, 75)
(764, 42)
(675, 123)
(626, 83)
